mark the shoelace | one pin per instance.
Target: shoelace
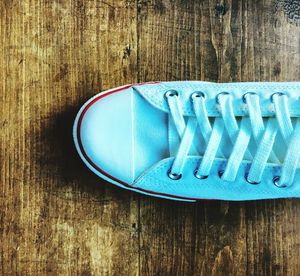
(240, 135)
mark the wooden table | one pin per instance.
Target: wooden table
(56, 217)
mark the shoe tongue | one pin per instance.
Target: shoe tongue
(198, 144)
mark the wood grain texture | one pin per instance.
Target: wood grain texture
(56, 217)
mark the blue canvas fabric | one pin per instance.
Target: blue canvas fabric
(192, 140)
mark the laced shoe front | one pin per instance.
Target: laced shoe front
(194, 140)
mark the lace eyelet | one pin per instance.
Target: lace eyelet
(251, 182)
(201, 177)
(220, 173)
(276, 182)
(278, 94)
(244, 98)
(174, 176)
(171, 93)
(198, 94)
(220, 94)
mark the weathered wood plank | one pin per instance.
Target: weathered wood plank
(56, 216)
(218, 41)
(269, 52)
(185, 239)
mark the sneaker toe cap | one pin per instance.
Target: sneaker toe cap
(103, 131)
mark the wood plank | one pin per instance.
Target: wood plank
(187, 239)
(56, 216)
(219, 41)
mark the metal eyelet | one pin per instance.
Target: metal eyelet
(171, 93)
(244, 98)
(220, 94)
(251, 182)
(198, 94)
(201, 177)
(276, 182)
(220, 173)
(174, 176)
(278, 94)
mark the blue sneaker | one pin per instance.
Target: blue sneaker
(192, 140)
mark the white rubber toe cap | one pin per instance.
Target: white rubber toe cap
(103, 134)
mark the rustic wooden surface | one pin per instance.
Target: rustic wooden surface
(56, 217)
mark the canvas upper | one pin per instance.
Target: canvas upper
(192, 140)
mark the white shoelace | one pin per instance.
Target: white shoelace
(240, 135)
